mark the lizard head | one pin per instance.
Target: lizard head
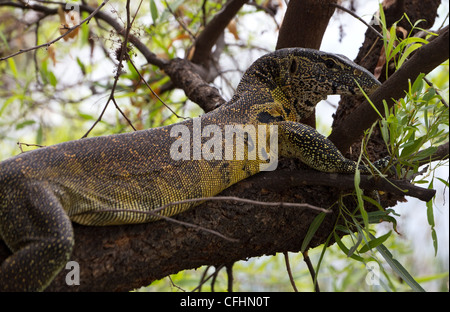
(299, 78)
(308, 76)
(307, 70)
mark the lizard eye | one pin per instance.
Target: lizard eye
(329, 63)
(293, 68)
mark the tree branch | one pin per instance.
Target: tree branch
(69, 30)
(183, 75)
(208, 37)
(300, 177)
(147, 252)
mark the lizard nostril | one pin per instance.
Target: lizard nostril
(293, 67)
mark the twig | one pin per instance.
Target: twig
(122, 113)
(311, 271)
(288, 268)
(242, 200)
(206, 279)
(212, 31)
(214, 277)
(168, 219)
(28, 144)
(123, 51)
(180, 22)
(69, 30)
(155, 213)
(229, 268)
(153, 92)
(175, 285)
(436, 90)
(357, 17)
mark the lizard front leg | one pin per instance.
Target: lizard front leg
(305, 143)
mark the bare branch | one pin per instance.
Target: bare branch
(69, 30)
(185, 76)
(311, 271)
(288, 268)
(208, 37)
(123, 52)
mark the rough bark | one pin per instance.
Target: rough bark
(120, 258)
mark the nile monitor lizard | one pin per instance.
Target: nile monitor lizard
(42, 191)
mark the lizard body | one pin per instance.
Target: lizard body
(43, 191)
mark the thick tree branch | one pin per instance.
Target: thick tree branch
(427, 58)
(184, 75)
(301, 177)
(208, 37)
(120, 258)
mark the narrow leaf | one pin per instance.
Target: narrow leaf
(345, 250)
(154, 11)
(398, 268)
(375, 242)
(312, 230)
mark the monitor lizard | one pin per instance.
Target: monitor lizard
(109, 180)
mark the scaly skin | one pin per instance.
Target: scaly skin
(43, 191)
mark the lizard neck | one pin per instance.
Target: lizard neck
(268, 84)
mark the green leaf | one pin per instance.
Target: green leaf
(418, 84)
(154, 11)
(412, 146)
(408, 51)
(8, 101)
(430, 218)
(24, 124)
(443, 181)
(86, 116)
(432, 277)
(312, 230)
(392, 39)
(345, 250)
(398, 268)
(52, 78)
(82, 66)
(375, 242)
(425, 153)
(359, 194)
(355, 246)
(39, 135)
(12, 66)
